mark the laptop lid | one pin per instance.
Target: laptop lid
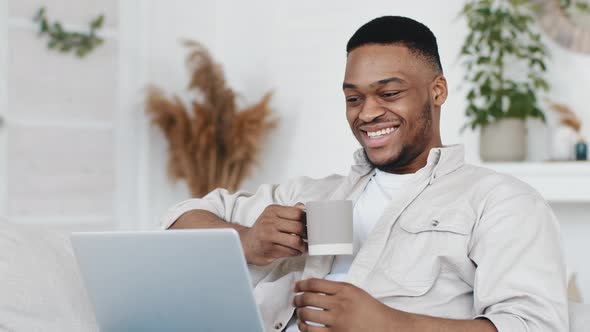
(186, 280)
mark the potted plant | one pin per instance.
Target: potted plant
(506, 62)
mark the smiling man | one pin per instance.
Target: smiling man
(440, 245)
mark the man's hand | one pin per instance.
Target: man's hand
(278, 232)
(345, 308)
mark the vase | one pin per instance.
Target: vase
(581, 150)
(503, 140)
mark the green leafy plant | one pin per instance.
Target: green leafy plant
(505, 61)
(578, 4)
(64, 41)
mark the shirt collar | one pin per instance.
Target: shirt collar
(441, 161)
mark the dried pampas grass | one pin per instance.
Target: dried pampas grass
(566, 116)
(211, 143)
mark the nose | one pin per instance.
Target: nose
(371, 110)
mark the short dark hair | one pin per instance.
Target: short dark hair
(398, 30)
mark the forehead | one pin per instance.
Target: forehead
(371, 63)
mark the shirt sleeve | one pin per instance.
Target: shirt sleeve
(520, 282)
(241, 207)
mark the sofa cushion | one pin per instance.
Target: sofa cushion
(40, 286)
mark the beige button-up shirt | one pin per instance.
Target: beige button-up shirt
(461, 242)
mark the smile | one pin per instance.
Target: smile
(379, 133)
(378, 138)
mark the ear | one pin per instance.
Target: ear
(439, 91)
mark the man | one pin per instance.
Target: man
(439, 245)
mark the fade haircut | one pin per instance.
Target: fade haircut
(398, 30)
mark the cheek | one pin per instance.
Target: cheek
(410, 111)
(351, 116)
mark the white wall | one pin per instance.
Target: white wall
(297, 48)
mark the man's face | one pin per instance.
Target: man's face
(390, 105)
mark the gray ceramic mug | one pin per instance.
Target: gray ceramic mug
(329, 227)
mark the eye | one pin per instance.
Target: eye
(389, 94)
(353, 100)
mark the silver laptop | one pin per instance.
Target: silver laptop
(189, 280)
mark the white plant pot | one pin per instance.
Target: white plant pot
(503, 140)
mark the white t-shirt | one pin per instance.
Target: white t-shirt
(379, 192)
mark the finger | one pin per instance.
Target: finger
(304, 220)
(279, 251)
(304, 327)
(290, 212)
(315, 316)
(316, 285)
(291, 227)
(290, 241)
(301, 206)
(308, 299)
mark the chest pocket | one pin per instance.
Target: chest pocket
(422, 244)
(433, 234)
(453, 220)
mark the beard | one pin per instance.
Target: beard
(412, 149)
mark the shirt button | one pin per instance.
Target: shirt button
(434, 223)
(278, 325)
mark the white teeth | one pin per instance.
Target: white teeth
(380, 132)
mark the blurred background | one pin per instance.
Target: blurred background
(77, 150)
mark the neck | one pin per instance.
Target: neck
(416, 163)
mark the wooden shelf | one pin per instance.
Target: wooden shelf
(560, 182)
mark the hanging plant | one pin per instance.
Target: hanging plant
(65, 41)
(211, 143)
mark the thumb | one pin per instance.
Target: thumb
(300, 205)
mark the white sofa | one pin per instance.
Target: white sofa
(41, 289)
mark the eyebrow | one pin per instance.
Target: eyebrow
(380, 82)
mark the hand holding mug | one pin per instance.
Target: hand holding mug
(277, 233)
